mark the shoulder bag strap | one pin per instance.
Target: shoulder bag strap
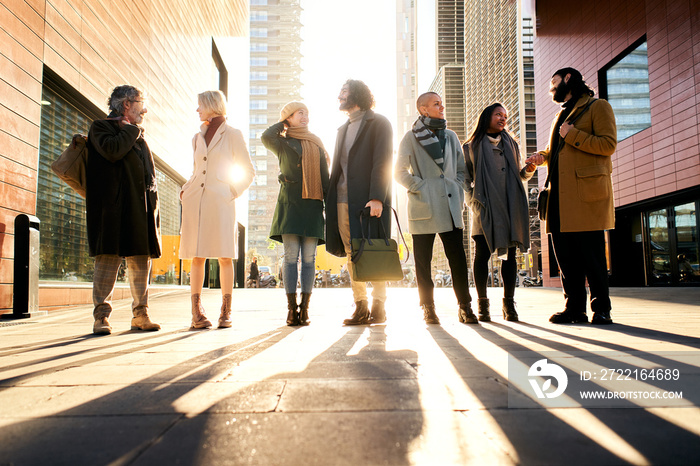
(562, 142)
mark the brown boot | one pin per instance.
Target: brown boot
(378, 313)
(360, 316)
(429, 314)
(293, 314)
(304, 309)
(101, 326)
(466, 316)
(199, 319)
(509, 312)
(101, 315)
(225, 317)
(484, 314)
(141, 321)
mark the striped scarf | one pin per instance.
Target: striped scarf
(430, 132)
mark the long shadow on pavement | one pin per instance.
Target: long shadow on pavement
(341, 409)
(117, 427)
(548, 438)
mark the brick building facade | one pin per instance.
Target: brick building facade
(68, 55)
(656, 174)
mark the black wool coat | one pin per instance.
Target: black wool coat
(368, 177)
(122, 217)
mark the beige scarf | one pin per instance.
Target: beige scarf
(310, 161)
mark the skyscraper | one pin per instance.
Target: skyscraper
(449, 80)
(275, 69)
(406, 64)
(499, 68)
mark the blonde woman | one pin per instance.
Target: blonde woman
(222, 171)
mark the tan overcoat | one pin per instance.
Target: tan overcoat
(222, 171)
(585, 168)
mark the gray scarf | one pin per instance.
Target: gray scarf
(510, 205)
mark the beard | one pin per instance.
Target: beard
(561, 91)
(348, 104)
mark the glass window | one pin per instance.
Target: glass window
(258, 2)
(258, 104)
(258, 46)
(688, 247)
(258, 75)
(260, 180)
(64, 253)
(261, 165)
(258, 61)
(166, 269)
(258, 119)
(258, 16)
(258, 32)
(627, 90)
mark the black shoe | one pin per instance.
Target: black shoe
(484, 314)
(569, 317)
(378, 314)
(304, 309)
(429, 314)
(466, 316)
(509, 312)
(360, 316)
(601, 318)
(293, 314)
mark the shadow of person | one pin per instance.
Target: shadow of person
(566, 435)
(116, 421)
(347, 406)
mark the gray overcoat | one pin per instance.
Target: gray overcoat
(435, 196)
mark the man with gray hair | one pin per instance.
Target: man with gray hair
(122, 207)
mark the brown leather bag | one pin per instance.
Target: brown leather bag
(71, 165)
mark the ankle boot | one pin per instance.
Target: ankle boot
(429, 314)
(293, 314)
(360, 316)
(509, 312)
(378, 313)
(466, 316)
(484, 314)
(225, 317)
(199, 319)
(304, 309)
(141, 321)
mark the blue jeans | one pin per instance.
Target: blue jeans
(292, 245)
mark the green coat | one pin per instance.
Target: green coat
(294, 215)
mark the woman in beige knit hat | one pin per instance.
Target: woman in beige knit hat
(298, 220)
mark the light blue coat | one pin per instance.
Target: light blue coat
(435, 196)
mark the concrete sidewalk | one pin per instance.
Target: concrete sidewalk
(399, 393)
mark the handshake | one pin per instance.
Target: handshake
(533, 161)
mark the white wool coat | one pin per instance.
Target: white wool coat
(222, 172)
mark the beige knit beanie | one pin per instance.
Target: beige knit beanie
(289, 109)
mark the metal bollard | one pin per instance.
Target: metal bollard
(25, 293)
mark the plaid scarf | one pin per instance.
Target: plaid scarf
(430, 132)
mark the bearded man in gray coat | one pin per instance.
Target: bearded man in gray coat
(360, 179)
(122, 207)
